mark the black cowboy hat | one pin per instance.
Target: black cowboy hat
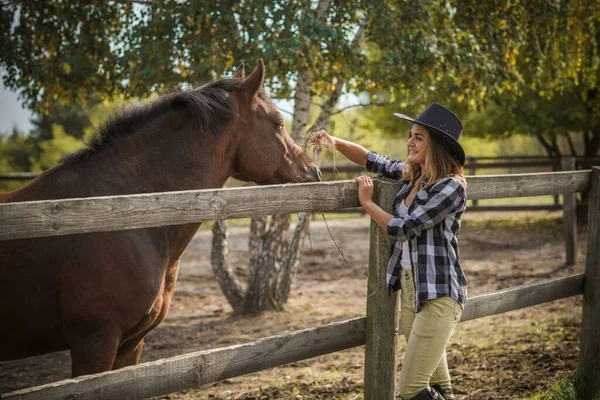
(445, 126)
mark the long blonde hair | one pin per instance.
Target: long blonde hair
(439, 164)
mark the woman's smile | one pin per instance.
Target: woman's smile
(418, 142)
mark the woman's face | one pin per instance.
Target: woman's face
(418, 144)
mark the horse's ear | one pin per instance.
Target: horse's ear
(239, 72)
(254, 81)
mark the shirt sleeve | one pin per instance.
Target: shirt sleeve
(443, 198)
(384, 166)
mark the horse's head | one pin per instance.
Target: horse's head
(266, 153)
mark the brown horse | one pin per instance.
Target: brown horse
(99, 294)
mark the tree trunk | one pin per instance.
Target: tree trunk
(262, 290)
(302, 101)
(593, 144)
(551, 148)
(226, 278)
(274, 253)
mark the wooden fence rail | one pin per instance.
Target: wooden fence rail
(477, 163)
(110, 213)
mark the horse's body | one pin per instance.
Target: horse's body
(99, 294)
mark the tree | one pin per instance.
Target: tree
(549, 81)
(14, 156)
(554, 49)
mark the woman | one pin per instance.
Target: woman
(425, 259)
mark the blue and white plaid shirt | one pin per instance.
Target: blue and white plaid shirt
(431, 228)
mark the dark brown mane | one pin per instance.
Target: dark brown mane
(209, 104)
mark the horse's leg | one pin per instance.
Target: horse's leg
(93, 352)
(129, 353)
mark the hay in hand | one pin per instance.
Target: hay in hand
(318, 145)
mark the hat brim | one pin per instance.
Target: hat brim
(452, 144)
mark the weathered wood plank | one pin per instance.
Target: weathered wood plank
(542, 207)
(569, 215)
(381, 356)
(589, 348)
(18, 176)
(520, 185)
(64, 217)
(199, 368)
(522, 296)
(95, 214)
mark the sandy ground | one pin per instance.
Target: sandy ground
(509, 356)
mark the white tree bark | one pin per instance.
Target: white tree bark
(274, 253)
(302, 101)
(226, 278)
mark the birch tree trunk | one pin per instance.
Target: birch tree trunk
(274, 250)
(226, 278)
(302, 100)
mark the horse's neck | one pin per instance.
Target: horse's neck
(4, 197)
(169, 155)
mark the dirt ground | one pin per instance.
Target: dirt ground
(509, 356)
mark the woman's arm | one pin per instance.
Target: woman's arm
(373, 162)
(352, 151)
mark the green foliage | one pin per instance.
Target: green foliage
(565, 389)
(52, 150)
(552, 48)
(505, 67)
(536, 73)
(70, 50)
(552, 43)
(14, 152)
(53, 136)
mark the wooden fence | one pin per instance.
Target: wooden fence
(379, 330)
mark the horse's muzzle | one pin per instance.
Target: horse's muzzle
(312, 175)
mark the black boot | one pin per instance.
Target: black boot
(428, 394)
(446, 392)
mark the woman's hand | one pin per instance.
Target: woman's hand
(365, 190)
(321, 136)
(365, 197)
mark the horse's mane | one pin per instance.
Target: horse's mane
(209, 104)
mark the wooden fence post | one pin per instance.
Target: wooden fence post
(382, 310)
(556, 166)
(589, 360)
(472, 171)
(569, 215)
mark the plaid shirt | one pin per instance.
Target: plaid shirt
(431, 228)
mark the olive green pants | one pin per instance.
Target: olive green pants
(427, 333)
